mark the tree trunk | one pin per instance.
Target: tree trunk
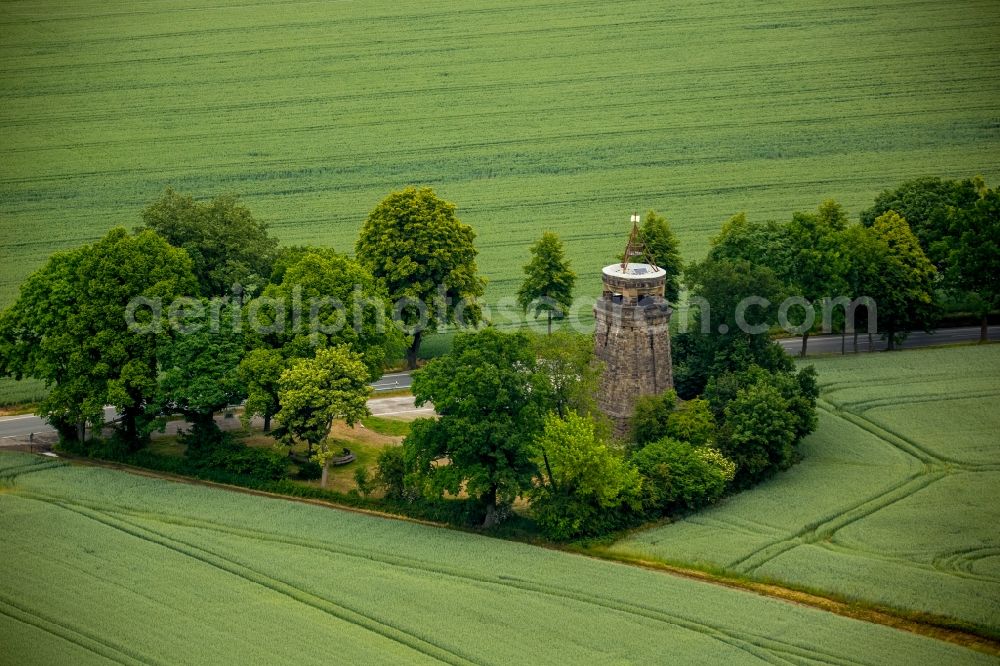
(855, 341)
(81, 431)
(892, 339)
(871, 342)
(326, 473)
(550, 322)
(843, 341)
(805, 341)
(267, 423)
(490, 500)
(548, 470)
(129, 417)
(984, 329)
(411, 353)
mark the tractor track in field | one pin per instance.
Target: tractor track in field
(89, 641)
(322, 604)
(939, 629)
(935, 468)
(771, 650)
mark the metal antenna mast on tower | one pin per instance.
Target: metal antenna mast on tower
(635, 247)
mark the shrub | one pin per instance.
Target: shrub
(587, 485)
(760, 432)
(227, 455)
(364, 481)
(679, 476)
(391, 472)
(309, 469)
(659, 416)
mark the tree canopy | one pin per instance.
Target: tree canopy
(314, 392)
(974, 255)
(548, 282)
(904, 294)
(226, 243)
(199, 374)
(415, 244)
(585, 480)
(927, 205)
(491, 403)
(326, 299)
(69, 327)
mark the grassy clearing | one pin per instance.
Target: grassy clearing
(530, 115)
(219, 576)
(387, 426)
(896, 503)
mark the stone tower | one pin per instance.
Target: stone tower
(632, 335)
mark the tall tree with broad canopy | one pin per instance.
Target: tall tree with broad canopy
(199, 372)
(491, 401)
(974, 259)
(325, 299)
(415, 244)
(664, 250)
(731, 333)
(816, 263)
(260, 371)
(927, 205)
(904, 295)
(69, 327)
(314, 392)
(548, 280)
(566, 361)
(222, 237)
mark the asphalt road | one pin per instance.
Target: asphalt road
(19, 427)
(830, 344)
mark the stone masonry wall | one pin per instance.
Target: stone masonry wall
(633, 341)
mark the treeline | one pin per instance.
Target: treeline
(199, 309)
(517, 417)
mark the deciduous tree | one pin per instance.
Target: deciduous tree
(413, 241)
(491, 402)
(199, 373)
(225, 242)
(927, 204)
(663, 248)
(585, 482)
(314, 392)
(974, 259)
(904, 295)
(260, 372)
(548, 282)
(326, 299)
(69, 327)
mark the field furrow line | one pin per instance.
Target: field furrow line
(906, 446)
(330, 607)
(867, 405)
(92, 643)
(825, 530)
(762, 647)
(941, 564)
(9, 474)
(960, 562)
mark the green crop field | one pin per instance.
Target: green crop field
(101, 565)
(896, 503)
(531, 115)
